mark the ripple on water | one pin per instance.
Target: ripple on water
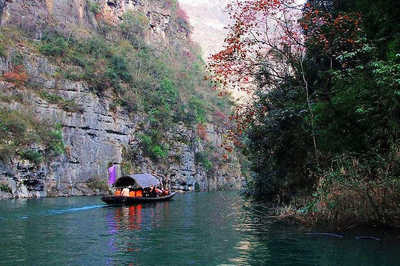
(194, 228)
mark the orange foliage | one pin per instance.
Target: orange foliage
(17, 75)
(202, 131)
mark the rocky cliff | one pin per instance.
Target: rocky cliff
(99, 126)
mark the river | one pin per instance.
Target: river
(192, 229)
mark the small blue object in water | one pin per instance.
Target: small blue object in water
(325, 234)
(368, 237)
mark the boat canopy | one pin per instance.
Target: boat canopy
(140, 180)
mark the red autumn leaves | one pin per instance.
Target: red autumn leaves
(277, 32)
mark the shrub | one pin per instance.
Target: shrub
(197, 108)
(18, 75)
(358, 189)
(54, 46)
(17, 59)
(94, 7)
(32, 155)
(50, 98)
(19, 131)
(159, 152)
(169, 89)
(145, 140)
(151, 146)
(3, 51)
(118, 69)
(66, 105)
(202, 158)
(133, 27)
(12, 128)
(202, 131)
(71, 106)
(5, 188)
(97, 183)
(55, 142)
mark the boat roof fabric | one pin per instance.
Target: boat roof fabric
(142, 180)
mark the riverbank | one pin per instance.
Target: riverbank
(318, 225)
(353, 231)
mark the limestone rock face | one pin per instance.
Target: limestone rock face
(96, 136)
(81, 17)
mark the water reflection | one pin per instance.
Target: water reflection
(127, 217)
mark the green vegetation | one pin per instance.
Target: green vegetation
(161, 83)
(167, 85)
(330, 147)
(97, 183)
(5, 188)
(66, 105)
(32, 155)
(152, 147)
(20, 131)
(17, 58)
(15, 97)
(133, 27)
(202, 158)
(197, 109)
(2, 51)
(94, 7)
(53, 46)
(3, 45)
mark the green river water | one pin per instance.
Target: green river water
(192, 229)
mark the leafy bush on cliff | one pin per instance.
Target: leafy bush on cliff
(32, 155)
(54, 46)
(66, 105)
(152, 147)
(94, 7)
(133, 27)
(197, 109)
(5, 188)
(20, 131)
(202, 158)
(98, 184)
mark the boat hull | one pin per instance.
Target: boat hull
(135, 200)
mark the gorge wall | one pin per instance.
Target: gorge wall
(97, 132)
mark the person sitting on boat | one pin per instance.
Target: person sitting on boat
(153, 192)
(125, 192)
(117, 192)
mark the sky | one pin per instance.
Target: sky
(208, 20)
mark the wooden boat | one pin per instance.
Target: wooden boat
(134, 200)
(138, 181)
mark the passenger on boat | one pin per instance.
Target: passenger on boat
(155, 191)
(139, 193)
(125, 192)
(117, 192)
